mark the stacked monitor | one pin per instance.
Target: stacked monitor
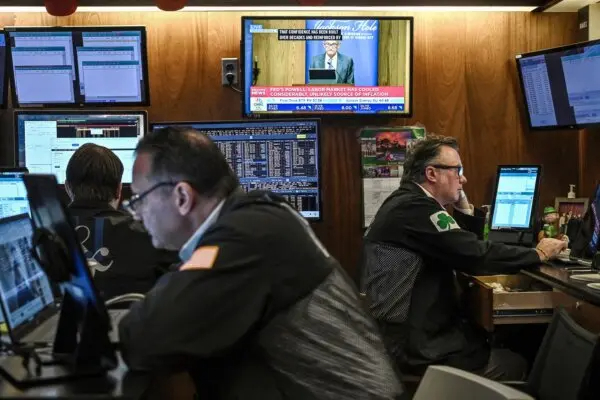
(277, 155)
(46, 140)
(327, 65)
(561, 86)
(78, 66)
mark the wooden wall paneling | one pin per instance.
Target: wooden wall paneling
(464, 81)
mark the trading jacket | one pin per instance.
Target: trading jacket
(126, 261)
(261, 311)
(411, 252)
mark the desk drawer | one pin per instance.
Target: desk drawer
(527, 302)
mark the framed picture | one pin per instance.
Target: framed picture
(574, 207)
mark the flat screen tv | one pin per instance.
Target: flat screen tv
(327, 65)
(561, 86)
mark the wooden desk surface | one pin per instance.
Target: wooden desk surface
(559, 278)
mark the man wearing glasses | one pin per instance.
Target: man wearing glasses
(333, 59)
(259, 309)
(411, 252)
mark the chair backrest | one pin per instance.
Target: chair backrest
(447, 383)
(563, 359)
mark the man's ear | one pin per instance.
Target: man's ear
(430, 174)
(184, 197)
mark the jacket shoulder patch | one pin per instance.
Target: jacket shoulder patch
(443, 221)
(203, 258)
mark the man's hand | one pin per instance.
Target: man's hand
(550, 248)
(463, 203)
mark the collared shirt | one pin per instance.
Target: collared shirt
(186, 251)
(333, 60)
(470, 211)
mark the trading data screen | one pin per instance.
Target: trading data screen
(280, 156)
(562, 86)
(79, 66)
(515, 197)
(46, 141)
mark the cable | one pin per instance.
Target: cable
(124, 298)
(230, 77)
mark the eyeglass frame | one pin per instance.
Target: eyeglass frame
(331, 45)
(459, 168)
(128, 205)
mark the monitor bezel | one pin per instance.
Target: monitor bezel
(17, 113)
(536, 195)
(4, 94)
(268, 115)
(99, 28)
(260, 121)
(522, 56)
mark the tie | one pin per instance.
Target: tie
(330, 64)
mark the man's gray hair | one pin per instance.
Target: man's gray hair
(422, 153)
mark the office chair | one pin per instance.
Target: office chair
(563, 364)
(447, 383)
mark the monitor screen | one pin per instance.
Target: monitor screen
(47, 140)
(26, 290)
(515, 197)
(13, 195)
(69, 66)
(280, 156)
(337, 65)
(562, 86)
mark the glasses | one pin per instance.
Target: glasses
(458, 168)
(130, 205)
(331, 45)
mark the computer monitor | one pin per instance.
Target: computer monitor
(67, 66)
(46, 140)
(3, 74)
(561, 86)
(515, 198)
(13, 195)
(84, 320)
(278, 155)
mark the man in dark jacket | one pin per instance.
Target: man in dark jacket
(259, 309)
(411, 252)
(117, 247)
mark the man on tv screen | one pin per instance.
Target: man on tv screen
(332, 59)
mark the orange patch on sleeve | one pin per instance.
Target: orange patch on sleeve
(203, 258)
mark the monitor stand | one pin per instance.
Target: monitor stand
(81, 348)
(517, 238)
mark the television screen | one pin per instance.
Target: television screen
(46, 140)
(562, 86)
(277, 155)
(69, 66)
(336, 65)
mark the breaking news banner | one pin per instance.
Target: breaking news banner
(355, 57)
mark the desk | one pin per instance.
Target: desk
(558, 278)
(117, 384)
(581, 302)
